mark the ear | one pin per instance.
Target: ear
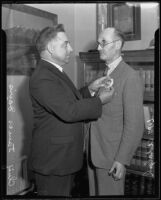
(50, 47)
(118, 44)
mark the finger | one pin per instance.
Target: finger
(109, 90)
(111, 170)
(101, 79)
(120, 176)
(117, 173)
(117, 176)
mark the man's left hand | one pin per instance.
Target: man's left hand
(117, 170)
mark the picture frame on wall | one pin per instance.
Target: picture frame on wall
(20, 24)
(127, 18)
(123, 16)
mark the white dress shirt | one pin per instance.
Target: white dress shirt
(113, 65)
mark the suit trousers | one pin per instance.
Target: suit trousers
(52, 185)
(100, 183)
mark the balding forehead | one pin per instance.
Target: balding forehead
(108, 33)
(109, 30)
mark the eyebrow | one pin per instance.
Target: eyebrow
(62, 39)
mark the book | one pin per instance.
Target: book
(139, 185)
(147, 116)
(147, 80)
(142, 75)
(152, 81)
(142, 185)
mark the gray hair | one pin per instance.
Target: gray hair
(46, 35)
(120, 35)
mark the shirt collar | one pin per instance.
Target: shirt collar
(56, 65)
(114, 64)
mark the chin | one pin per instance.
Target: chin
(102, 57)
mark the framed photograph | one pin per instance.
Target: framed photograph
(101, 14)
(125, 17)
(21, 25)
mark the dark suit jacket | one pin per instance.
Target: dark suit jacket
(59, 112)
(116, 135)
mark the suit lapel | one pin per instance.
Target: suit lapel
(63, 76)
(70, 84)
(116, 73)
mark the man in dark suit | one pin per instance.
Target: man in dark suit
(115, 136)
(59, 112)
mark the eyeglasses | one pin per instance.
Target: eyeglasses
(105, 43)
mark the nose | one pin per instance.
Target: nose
(98, 47)
(70, 48)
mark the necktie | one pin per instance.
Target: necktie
(106, 71)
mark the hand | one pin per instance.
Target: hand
(95, 85)
(117, 170)
(105, 95)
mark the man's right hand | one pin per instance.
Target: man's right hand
(106, 95)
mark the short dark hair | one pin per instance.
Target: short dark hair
(46, 35)
(120, 35)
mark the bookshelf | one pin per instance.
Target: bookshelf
(142, 163)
